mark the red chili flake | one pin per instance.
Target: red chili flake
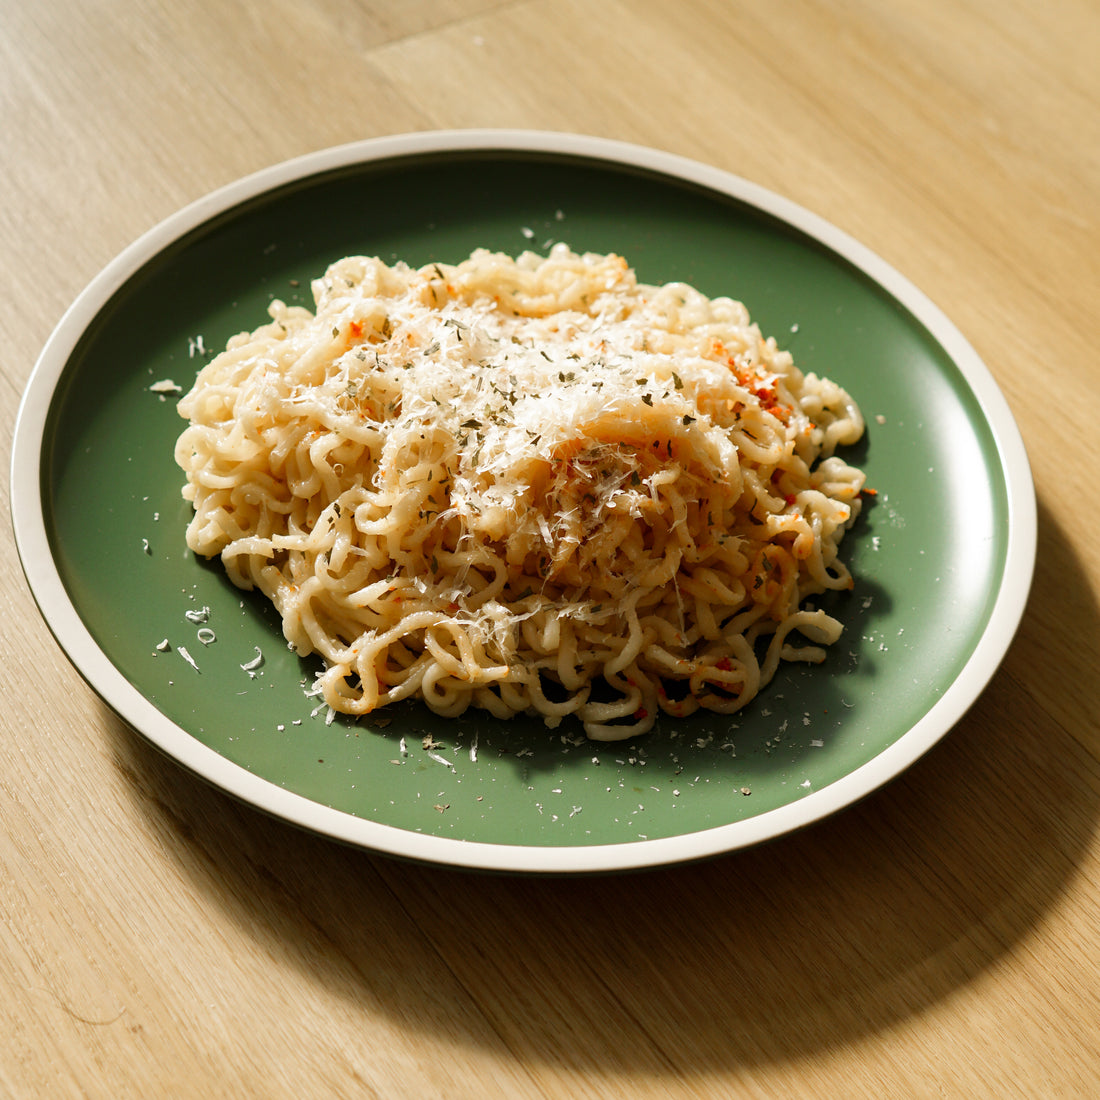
(641, 712)
(790, 498)
(724, 664)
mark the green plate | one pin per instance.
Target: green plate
(943, 557)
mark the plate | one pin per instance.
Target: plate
(943, 557)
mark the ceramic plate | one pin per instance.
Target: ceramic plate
(943, 556)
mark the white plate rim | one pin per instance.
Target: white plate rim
(62, 618)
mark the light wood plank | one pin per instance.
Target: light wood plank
(939, 939)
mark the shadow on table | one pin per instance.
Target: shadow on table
(762, 956)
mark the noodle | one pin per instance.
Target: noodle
(525, 485)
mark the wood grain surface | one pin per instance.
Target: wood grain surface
(941, 938)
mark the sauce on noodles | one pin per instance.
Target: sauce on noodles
(525, 485)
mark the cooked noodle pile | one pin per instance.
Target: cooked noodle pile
(529, 485)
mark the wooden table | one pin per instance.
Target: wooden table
(942, 938)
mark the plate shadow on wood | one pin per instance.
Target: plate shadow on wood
(822, 937)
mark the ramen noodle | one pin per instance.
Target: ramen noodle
(526, 485)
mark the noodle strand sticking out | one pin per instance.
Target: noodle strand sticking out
(525, 485)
